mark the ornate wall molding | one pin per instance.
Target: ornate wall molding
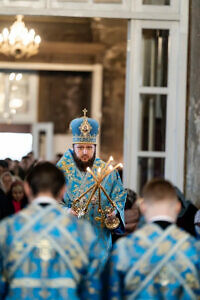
(123, 9)
(74, 7)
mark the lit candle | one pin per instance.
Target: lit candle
(99, 173)
(108, 163)
(90, 171)
(110, 159)
(111, 169)
(118, 166)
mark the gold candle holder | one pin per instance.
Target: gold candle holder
(107, 217)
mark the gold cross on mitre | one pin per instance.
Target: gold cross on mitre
(85, 127)
(85, 112)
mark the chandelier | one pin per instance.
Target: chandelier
(19, 41)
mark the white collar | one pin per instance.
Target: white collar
(44, 199)
(162, 218)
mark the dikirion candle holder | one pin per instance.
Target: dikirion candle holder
(107, 215)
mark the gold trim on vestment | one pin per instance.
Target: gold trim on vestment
(39, 283)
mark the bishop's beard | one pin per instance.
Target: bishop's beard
(82, 165)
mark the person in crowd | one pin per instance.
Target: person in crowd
(197, 224)
(17, 199)
(3, 197)
(58, 156)
(74, 164)
(185, 218)
(3, 166)
(3, 205)
(44, 253)
(159, 260)
(32, 160)
(17, 170)
(31, 156)
(9, 161)
(25, 164)
(131, 214)
(187, 213)
(6, 180)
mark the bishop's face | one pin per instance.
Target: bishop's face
(84, 152)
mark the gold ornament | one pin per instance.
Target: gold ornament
(45, 249)
(106, 218)
(85, 127)
(111, 222)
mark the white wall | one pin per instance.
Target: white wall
(62, 142)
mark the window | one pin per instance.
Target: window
(153, 132)
(156, 2)
(155, 57)
(15, 145)
(18, 96)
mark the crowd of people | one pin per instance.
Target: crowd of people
(12, 175)
(69, 233)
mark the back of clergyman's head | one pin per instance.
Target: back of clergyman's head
(159, 189)
(45, 177)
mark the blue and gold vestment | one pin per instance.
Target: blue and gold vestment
(78, 182)
(46, 254)
(153, 263)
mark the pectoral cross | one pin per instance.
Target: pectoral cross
(85, 112)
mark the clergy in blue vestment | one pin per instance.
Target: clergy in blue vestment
(160, 260)
(74, 164)
(45, 253)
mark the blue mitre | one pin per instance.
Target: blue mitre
(84, 130)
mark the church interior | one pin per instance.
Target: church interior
(62, 95)
(82, 62)
(100, 149)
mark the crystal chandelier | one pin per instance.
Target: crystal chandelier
(19, 41)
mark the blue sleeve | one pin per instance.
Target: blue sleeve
(112, 278)
(91, 285)
(118, 195)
